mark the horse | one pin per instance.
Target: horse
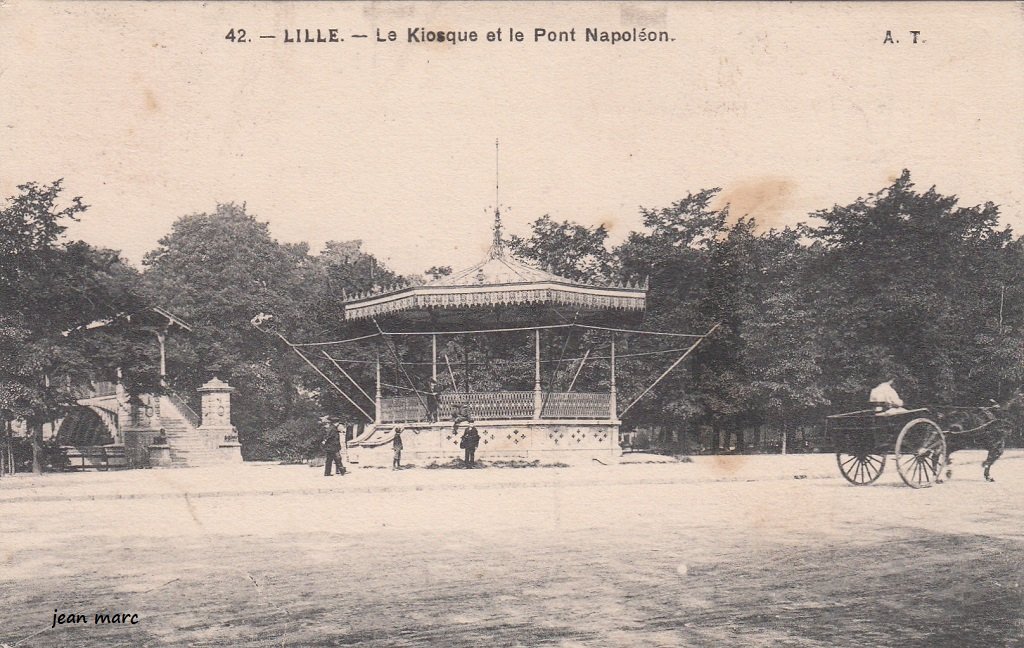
(979, 428)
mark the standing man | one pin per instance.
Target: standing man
(331, 445)
(470, 440)
(396, 445)
(432, 400)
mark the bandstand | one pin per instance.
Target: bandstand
(499, 297)
(488, 342)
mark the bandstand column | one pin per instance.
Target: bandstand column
(538, 402)
(611, 400)
(376, 402)
(465, 343)
(433, 357)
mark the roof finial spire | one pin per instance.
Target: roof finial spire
(496, 246)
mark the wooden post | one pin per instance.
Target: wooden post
(376, 413)
(612, 396)
(538, 402)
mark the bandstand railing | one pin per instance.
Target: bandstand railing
(405, 409)
(500, 406)
(577, 405)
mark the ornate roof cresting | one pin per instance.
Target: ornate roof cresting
(500, 279)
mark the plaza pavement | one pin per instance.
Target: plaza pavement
(752, 550)
(264, 478)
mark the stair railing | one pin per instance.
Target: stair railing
(187, 412)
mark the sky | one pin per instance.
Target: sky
(149, 113)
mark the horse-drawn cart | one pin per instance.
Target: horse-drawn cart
(920, 441)
(864, 439)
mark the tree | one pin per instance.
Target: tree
(52, 289)
(909, 285)
(568, 249)
(342, 269)
(674, 254)
(782, 340)
(216, 271)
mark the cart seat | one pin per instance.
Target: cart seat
(883, 410)
(886, 409)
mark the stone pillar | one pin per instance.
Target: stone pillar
(124, 408)
(216, 425)
(139, 420)
(159, 455)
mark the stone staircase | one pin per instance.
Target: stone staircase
(189, 446)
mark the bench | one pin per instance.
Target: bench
(98, 457)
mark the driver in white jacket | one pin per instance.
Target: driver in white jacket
(885, 399)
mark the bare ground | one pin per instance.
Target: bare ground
(618, 556)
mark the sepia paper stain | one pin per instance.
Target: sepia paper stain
(767, 199)
(728, 464)
(646, 15)
(152, 105)
(377, 10)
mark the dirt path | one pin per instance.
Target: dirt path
(770, 562)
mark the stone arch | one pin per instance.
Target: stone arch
(85, 426)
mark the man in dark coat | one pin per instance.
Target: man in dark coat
(432, 400)
(331, 444)
(470, 440)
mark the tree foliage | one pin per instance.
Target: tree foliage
(219, 270)
(52, 289)
(900, 283)
(567, 249)
(910, 284)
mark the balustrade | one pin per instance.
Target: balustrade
(499, 405)
(577, 405)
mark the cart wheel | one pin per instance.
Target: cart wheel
(860, 469)
(921, 453)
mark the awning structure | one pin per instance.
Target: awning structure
(153, 316)
(500, 279)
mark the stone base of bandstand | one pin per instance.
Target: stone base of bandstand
(548, 441)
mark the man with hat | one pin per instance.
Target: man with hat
(331, 444)
(432, 400)
(469, 443)
(397, 445)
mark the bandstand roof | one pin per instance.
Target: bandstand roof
(500, 280)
